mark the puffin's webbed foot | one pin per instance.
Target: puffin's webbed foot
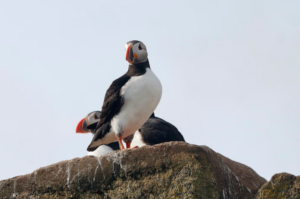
(120, 143)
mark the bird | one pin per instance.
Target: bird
(130, 100)
(89, 123)
(91, 118)
(154, 131)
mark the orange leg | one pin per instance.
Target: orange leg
(121, 143)
(127, 145)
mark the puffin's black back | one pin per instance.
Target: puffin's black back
(156, 131)
(114, 146)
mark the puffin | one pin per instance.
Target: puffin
(154, 131)
(92, 118)
(129, 101)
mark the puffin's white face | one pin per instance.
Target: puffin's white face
(136, 52)
(93, 117)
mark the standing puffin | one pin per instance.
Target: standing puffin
(82, 127)
(154, 131)
(130, 100)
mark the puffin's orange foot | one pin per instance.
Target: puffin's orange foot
(135, 147)
(128, 145)
(121, 143)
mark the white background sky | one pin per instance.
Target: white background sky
(230, 73)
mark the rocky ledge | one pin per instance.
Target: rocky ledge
(281, 186)
(169, 170)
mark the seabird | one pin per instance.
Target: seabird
(154, 131)
(130, 100)
(93, 118)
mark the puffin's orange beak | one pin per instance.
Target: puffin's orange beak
(79, 128)
(127, 57)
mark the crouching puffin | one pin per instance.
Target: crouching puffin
(130, 100)
(82, 127)
(154, 131)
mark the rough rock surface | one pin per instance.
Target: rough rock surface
(169, 170)
(281, 186)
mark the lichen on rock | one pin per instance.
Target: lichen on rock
(281, 186)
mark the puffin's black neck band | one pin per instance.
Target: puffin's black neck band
(138, 69)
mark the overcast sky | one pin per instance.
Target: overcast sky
(230, 73)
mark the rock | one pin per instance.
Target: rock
(281, 186)
(168, 170)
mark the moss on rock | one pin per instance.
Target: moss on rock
(281, 186)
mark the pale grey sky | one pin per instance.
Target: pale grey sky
(230, 73)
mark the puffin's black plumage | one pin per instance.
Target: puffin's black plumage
(157, 130)
(113, 101)
(114, 146)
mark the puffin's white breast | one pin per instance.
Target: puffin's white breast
(137, 140)
(101, 150)
(141, 96)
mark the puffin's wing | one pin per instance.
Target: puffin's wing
(112, 105)
(113, 100)
(99, 134)
(157, 130)
(174, 134)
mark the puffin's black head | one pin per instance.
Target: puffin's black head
(136, 52)
(89, 123)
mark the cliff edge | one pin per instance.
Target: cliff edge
(168, 170)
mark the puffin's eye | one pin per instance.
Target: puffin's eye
(96, 117)
(140, 48)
